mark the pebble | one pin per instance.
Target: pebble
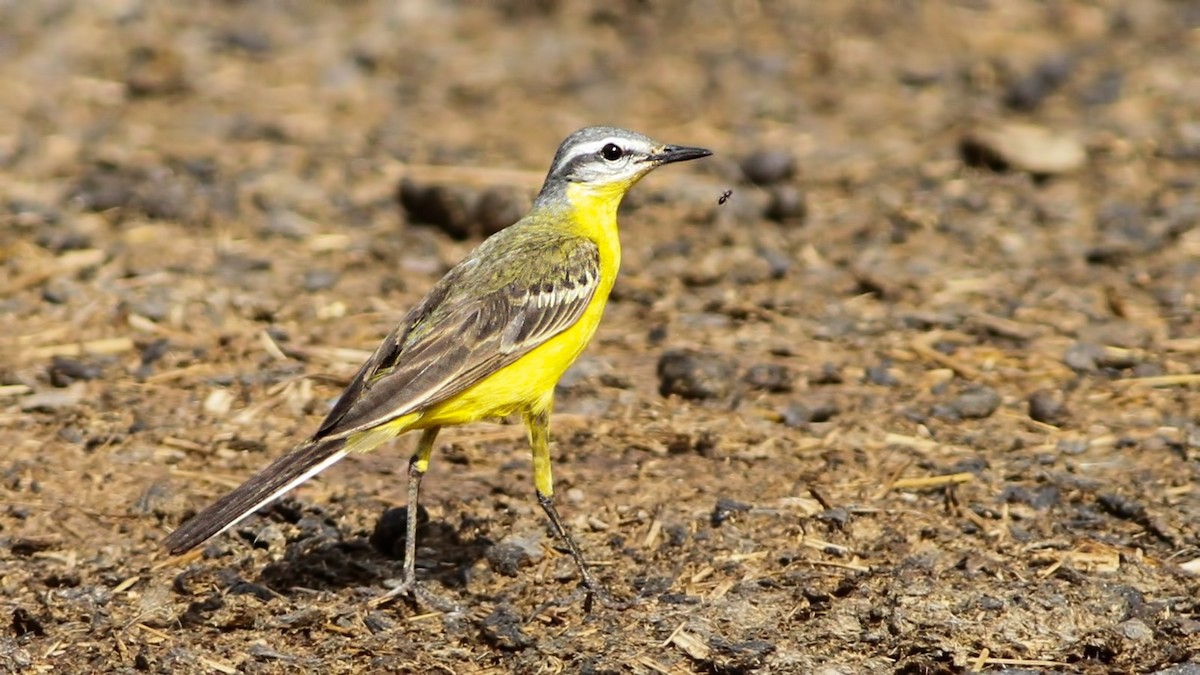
(57, 399)
(58, 291)
(289, 224)
(779, 263)
(830, 373)
(1072, 446)
(1027, 92)
(62, 371)
(497, 208)
(154, 71)
(512, 553)
(1081, 357)
(1117, 333)
(976, 403)
(1041, 497)
(269, 537)
(694, 375)
(1122, 231)
(770, 377)
(320, 280)
(1105, 89)
(1190, 668)
(1135, 630)
(157, 192)
(787, 204)
(1022, 147)
(800, 415)
(246, 38)
(389, 533)
(882, 375)
(1046, 406)
(724, 510)
(767, 167)
(452, 209)
(502, 629)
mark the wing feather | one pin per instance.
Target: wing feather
(459, 336)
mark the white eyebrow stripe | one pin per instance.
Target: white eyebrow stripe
(593, 148)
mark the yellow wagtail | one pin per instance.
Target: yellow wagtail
(491, 339)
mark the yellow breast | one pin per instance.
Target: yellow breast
(527, 385)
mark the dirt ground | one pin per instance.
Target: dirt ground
(933, 375)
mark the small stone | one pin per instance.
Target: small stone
(246, 38)
(158, 192)
(320, 280)
(770, 377)
(1027, 92)
(243, 587)
(1190, 668)
(449, 208)
(305, 617)
(989, 604)
(25, 623)
(269, 537)
(1116, 358)
(289, 224)
(157, 500)
(829, 374)
(787, 204)
(57, 399)
(218, 403)
(498, 208)
(767, 167)
(1072, 446)
(502, 629)
(725, 508)
(1081, 357)
(389, 534)
(1046, 406)
(1022, 147)
(694, 375)
(801, 415)
(378, 622)
(155, 72)
(1105, 89)
(882, 375)
(976, 403)
(1123, 230)
(1117, 333)
(64, 370)
(514, 552)
(778, 262)
(1148, 369)
(57, 291)
(1135, 630)
(1041, 497)
(506, 559)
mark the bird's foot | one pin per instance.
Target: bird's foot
(420, 595)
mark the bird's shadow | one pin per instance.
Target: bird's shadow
(322, 559)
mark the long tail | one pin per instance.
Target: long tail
(282, 475)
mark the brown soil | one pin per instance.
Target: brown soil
(952, 416)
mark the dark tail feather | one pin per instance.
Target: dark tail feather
(280, 476)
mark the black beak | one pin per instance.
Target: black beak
(678, 153)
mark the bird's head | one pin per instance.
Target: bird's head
(602, 163)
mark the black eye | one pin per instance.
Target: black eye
(612, 152)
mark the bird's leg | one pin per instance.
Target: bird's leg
(417, 466)
(539, 441)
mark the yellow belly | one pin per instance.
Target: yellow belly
(526, 385)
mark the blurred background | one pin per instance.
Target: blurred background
(931, 367)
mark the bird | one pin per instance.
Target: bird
(489, 340)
